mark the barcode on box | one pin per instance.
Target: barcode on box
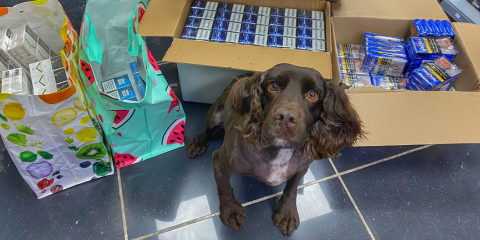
(232, 37)
(109, 86)
(234, 27)
(289, 42)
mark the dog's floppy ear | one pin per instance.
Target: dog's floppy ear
(246, 100)
(339, 126)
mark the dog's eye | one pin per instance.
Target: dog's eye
(312, 95)
(273, 87)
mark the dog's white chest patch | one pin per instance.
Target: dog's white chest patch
(278, 168)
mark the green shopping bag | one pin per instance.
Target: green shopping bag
(109, 43)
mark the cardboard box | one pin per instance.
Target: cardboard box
(207, 68)
(410, 117)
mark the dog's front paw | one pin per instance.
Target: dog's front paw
(286, 217)
(232, 214)
(197, 146)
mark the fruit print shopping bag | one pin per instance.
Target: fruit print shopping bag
(109, 43)
(51, 138)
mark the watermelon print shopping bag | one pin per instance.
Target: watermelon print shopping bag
(109, 43)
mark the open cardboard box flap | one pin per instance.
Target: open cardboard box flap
(468, 58)
(390, 9)
(167, 18)
(415, 118)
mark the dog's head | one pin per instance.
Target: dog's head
(294, 107)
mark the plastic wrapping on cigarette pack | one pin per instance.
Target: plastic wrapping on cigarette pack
(224, 22)
(356, 80)
(383, 38)
(387, 82)
(351, 66)
(431, 48)
(431, 28)
(353, 51)
(384, 64)
(439, 75)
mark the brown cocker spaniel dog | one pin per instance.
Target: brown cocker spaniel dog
(276, 123)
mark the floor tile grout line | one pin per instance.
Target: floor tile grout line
(353, 201)
(384, 160)
(122, 205)
(280, 193)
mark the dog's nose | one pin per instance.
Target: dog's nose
(286, 118)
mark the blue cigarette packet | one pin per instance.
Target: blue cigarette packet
(384, 64)
(281, 31)
(311, 33)
(199, 23)
(311, 23)
(310, 14)
(311, 44)
(383, 38)
(196, 34)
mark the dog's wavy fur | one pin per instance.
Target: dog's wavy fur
(339, 125)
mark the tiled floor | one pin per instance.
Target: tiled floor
(409, 192)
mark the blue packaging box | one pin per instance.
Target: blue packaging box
(127, 93)
(441, 28)
(317, 15)
(282, 31)
(311, 23)
(196, 34)
(199, 23)
(122, 81)
(433, 26)
(220, 25)
(428, 48)
(384, 64)
(205, 5)
(248, 28)
(199, 4)
(351, 66)
(392, 52)
(283, 21)
(434, 76)
(356, 80)
(225, 7)
(387, 82)
(202, 13)
(218, 36)
(275, 41)
(251, 9)
(250, 18)
(254, 29)
(383, 38)
(223, 16)
(311, 44)
(417, 29)
(449, 28)
(134, 66)
(281, 42)
(368, 41)
(246, 38)
(225, 37)
(352, 51)
(141, 90)
(311, 33)
(277, 12)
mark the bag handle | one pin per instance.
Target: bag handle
(94, 46)
(134, 47)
